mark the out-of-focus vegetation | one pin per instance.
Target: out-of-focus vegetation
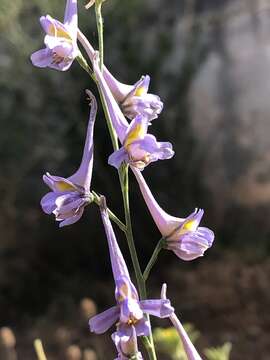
(169, 345)
(209, 62)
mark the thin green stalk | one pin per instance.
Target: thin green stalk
(152, 261)
(123, 173)
(99, 20)
(129, 234)
(112, 216)
(123, 176)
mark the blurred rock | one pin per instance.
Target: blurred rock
(63, 335)
(89, 354)
(229, 104)
(88, 308)
(7, 344)
(73, 352)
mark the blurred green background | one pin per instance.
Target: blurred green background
(209, 61)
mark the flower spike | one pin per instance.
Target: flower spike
(129, 310)
(60, 40)
(69, 196)
(183, 236)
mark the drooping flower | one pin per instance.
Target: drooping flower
(128, 314)
(60, 40)
(133, 99)
(191, 352)
(139, 148)
(183, 236)
(127, 348)
(69, 196)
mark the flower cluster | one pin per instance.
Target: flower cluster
(131, 109)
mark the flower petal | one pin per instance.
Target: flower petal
(42, 58)
(160, 308)
(72, 219)
(117, 157)
(103, 321)
(48, 202)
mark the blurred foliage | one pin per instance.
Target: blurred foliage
(219, 353)
(168, 343)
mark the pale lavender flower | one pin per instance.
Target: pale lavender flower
(133, 99)
(184, 236)
(60, 40)
(190, 350)
(127, 347)
(128, 314)
(139, 148)
(69, 196)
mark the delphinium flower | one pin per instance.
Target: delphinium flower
(139, 148)
(127, 347)
(190, 350)
(183, 236)
(128, 314)
(133, 99)
(60, 40)
(69, 196)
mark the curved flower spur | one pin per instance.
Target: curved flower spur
(183, 236)
(60, 40)
(128, 314)
(133, 99)
(69, 196)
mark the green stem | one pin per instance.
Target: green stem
(152, 261)
(123, 174)
(83, 63)
(99, 20)
(112, 216)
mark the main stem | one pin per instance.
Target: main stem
(123, 177)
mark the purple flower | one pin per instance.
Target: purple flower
(127, 348)
(60, 40)
(133, 99)
(183, 236)
(128, 314)
(190, 350)
(69, 196)
(139, 148)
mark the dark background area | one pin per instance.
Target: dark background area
(209, 61)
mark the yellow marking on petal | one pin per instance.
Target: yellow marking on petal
(135, 134)
(58, 32)
(124, 290)
(63, 186)
(140, 91)
(190, 225)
